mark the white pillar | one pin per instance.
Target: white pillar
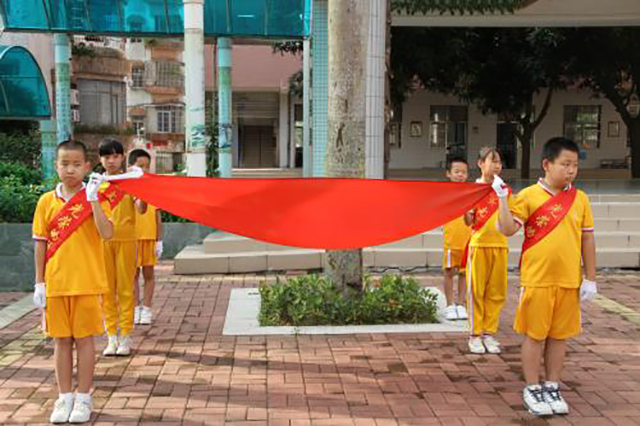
(195, 133)
(375, 100)
(307, 151)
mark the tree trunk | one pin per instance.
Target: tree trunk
(634, 137)
(346, 150)
(525, 139)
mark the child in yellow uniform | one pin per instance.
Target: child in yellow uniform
(120, 255)
(149, 234)
(486, 266)
(456, 238)
(70, 280)
(551, 275)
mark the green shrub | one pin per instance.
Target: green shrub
(20, 148)
(17, 200)
(314, 300)
(26, 175)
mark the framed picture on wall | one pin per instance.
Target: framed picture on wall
(416, 129)
(613, 129)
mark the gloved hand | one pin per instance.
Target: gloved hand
(588, 290)
(159, 248)
(40, 295)
(93, 187)
(500, 188)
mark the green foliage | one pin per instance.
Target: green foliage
(314, 300)
(17, 200)
(171, 218)
(24, 174)
(20, 148)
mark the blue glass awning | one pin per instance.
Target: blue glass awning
(23, 92)
(276, 19)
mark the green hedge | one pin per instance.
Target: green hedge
(313, 300)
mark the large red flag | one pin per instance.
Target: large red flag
(326, 213)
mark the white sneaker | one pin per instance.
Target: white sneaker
(145, 316)
(492, 345)
(81, 409)
(124, 346)
(551, 394)
(62, 409)
(462, 312)
(450, 313)
(112, 346)
(475, 345)
(136, 314)
(534, 401)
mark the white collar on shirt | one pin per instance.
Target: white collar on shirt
(59, 191)
(546, 188)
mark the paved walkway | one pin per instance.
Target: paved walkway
(185, 372)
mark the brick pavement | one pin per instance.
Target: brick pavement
(185, 372)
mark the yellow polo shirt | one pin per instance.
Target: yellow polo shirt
(77, 267)
(556, 259)
(124, 218)
(489, 235)
(456, 234)
(146, 225)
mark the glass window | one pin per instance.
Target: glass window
(448, 128)
(582, 124)
(137, 76)
(101, 102)
(169, 74)
(170, 119)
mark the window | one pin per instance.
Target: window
(448, 128)
(137, 124)
(169, 74)
(582, 124)
(101, 102)
(137, 76)
(170, 119)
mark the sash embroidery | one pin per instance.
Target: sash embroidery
(73, 214)
(547, 217)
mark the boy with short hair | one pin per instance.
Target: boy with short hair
(558, 227)
(456, 235)
(149, 233)
(69, 225)
(120, 255)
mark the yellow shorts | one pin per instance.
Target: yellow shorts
(548, 312)
(452, 258)
(74, 316)
(147, 253)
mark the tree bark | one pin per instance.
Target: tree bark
(525, 139)
(634, 137)
(346, 150)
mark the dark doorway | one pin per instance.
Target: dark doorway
(257, 147)
(507, 145)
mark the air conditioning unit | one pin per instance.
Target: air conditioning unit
(75, 115)
(75, 97)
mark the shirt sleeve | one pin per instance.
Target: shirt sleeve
(587, 217)
(519, 208)
(40, 226)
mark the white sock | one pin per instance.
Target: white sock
(67, 398)
(83, 397)
(549, 384)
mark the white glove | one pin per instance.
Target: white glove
(588, 290)
(135, 169)
(95, 181)
(159, 248)
(498, 185)
(40, 296)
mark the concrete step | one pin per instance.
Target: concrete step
(614, 198)
(610, 210)
(193, 259)
(222, 243)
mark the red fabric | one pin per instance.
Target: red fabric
(310, 213)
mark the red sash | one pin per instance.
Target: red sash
(547, 217)
(485, 209)
(73, 214)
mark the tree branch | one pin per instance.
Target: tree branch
(544, 110)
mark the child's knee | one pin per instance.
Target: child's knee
(64, 341)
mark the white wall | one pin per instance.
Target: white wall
(415, 152)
